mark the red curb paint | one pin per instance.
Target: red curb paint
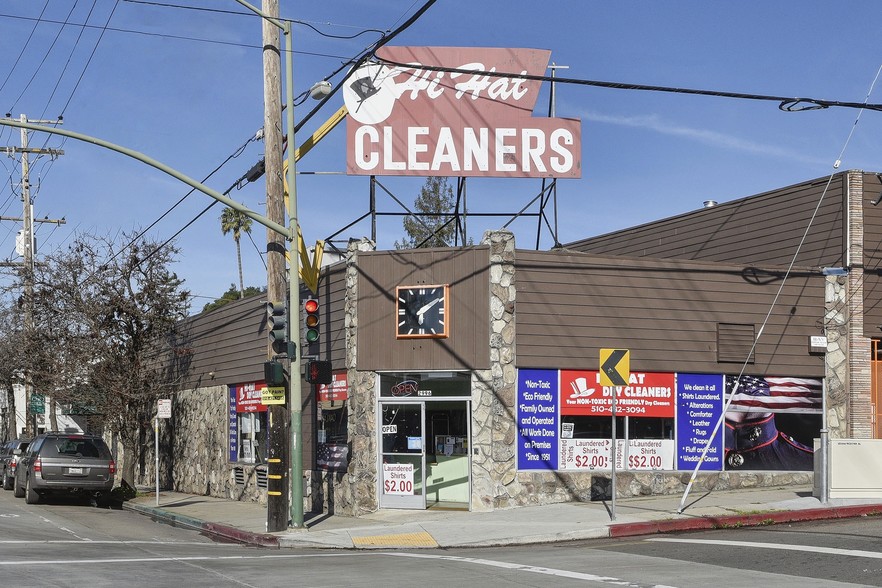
(751, 520)
(248, 537)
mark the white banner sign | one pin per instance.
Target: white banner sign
(398, 478)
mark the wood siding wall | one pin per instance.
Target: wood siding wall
(467, 272)
(230, 341)
(765, 229)
(872, 245)
(569, 306)
(332, 298)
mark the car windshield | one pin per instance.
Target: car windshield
(74, 447)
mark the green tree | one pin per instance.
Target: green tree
(237, 222)
(432, 223)
(231, 295)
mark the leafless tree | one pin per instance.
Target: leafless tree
(105, 317)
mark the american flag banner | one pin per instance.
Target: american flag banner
(332, 457)
(768, 394)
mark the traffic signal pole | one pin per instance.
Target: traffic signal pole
(295, 401)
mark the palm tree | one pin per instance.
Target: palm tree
(237, 222)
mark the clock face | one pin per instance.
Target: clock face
(421, 311)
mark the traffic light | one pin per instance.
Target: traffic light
(318, 372)
(311, 326)
(273, 373)
(277, 326)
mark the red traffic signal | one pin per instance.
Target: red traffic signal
(311, 320)
(318, 372)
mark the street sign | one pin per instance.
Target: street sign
(273, 395)
(615, 367)
(38, 404)
(163, 410)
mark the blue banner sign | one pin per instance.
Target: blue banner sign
(537, 414)
(234, 426)
(699, 408)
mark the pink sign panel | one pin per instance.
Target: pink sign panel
(646, 395)
(406, 119)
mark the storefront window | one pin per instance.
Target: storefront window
(666, 421)
(248, 431)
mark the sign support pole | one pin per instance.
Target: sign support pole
(612, 515)
(156, 453)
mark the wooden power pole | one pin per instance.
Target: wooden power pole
(27, 252)
(278, 489)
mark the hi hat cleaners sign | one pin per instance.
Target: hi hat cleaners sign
(405, 119)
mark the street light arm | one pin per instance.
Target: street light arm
(282, 230)
(262, 14)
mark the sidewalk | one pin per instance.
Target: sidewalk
(388, 529)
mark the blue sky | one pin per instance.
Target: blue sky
(185, 87)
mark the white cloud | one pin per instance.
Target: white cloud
(655, 123)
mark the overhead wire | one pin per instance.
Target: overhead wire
(67, 63)
(82, 74)
(362, 30)
(175, 37)
(45, 56)
(786, 103)
(364, 54)
(777, 296)
(89, 61)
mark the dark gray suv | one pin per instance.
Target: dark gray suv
(10, 453)
(65, 463)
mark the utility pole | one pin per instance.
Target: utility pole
(278, 472)
(27, 253)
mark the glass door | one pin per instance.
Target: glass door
(403, 455)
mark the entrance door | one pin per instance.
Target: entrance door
(403, 455)
(876, 388)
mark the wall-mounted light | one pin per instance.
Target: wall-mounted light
(878, 198)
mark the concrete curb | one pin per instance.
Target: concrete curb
(747, 520)
(215, 529)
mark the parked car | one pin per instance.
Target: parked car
(10, 453)
(65, 463)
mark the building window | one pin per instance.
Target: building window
(248, 431)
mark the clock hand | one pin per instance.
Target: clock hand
(426, 307)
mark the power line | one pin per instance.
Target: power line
(786, 103)
(169, 36)
(25, 46)
(778, 294)
(45, 56)
(67, 63)
(253, 15)
(89, 61)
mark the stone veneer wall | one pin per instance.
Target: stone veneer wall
(354, 492)
(837, 357)
(193, 449)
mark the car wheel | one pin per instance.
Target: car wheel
(7, 482)
(17, 491)
(31, 496)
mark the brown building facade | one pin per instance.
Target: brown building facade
(489, 377)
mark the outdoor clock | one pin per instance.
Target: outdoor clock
(422, 311)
